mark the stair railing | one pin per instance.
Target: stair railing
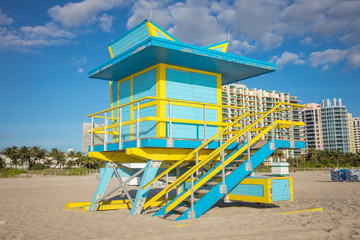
(195, 168)
(195, 151)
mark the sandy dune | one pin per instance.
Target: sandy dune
(33, 209)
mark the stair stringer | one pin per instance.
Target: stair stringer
(209, 199)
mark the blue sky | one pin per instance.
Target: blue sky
(47, 48)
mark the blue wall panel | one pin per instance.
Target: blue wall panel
(145, 85)
(196, 87)
(125, 96)
(248, 190)
(280, 189)
(191, 86)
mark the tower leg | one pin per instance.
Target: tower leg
(104, 181)
(149, 173)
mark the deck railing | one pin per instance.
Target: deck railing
(117, 123)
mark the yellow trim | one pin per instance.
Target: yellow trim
(153, 31)
(110, 51)
(224, 47)
(161, 93)
(114, 156)
(219, 99)
(244, 198)
(107, 205)
(305, 210)
(166, 154)
(131, 107)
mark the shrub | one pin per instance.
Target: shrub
(38, 166)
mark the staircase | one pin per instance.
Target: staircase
(209, 188)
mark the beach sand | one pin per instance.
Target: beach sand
(33, 208)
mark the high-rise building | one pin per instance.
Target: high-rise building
(335, 125)
(258, 100)
(356, 126)
(351, 133)
(313, 131)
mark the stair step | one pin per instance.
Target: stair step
(181, 209)
(238, 161)
(203, 191)
(220, 175)
(231, 168)
(189, 199)
(259, 144)
(211, 183)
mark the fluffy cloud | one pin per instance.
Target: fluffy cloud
(106, 22)
(38, 36)
(334, 56)
(4, 19)
(81, 13)
(287, 58)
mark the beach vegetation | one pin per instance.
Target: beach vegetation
(325, 158)
(38, 166)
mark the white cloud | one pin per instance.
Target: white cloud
(306, 41)
(34, 37)
(334, 56)
(81, 13)
(106, 22)
(49, 30)
(80, 70)
(78, 61)
(287, 58)
(327, 56)
(241, 47)
(4, 19)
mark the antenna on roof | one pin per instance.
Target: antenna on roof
(150, 15)
(228, 36)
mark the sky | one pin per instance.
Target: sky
(47, 48)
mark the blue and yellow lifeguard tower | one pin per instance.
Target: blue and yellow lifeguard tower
(166, 107)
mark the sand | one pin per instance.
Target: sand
(33, 208)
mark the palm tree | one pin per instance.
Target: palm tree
(25, 155)
(13, 154)
(278, 154)
(2, 163)
(70, 164)
(48, 163)
(78, 156)
(87, 162)
(38, 153)
(58, 156)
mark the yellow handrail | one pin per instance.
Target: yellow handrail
(217, 169)
(192, 170)
(195, 150)
(163, 99)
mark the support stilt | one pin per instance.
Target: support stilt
(149, 174)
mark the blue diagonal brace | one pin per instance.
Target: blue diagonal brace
(104, 181)
(150, 172)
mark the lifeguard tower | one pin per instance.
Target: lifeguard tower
(166, 107)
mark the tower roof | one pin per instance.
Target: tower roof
(148, 44)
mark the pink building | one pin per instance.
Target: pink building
(313, 130)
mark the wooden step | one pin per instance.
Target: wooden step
(220, 175)
(188, 200)
(259, 144)
(231, 168)
(238, 161)
(203, 191)
(181, 209)
(211, 183)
